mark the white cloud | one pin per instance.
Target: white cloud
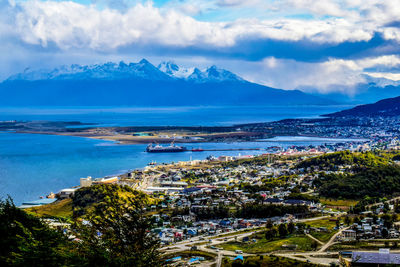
(333, 75)
(75, 28)
(390, 76)
(71, 25)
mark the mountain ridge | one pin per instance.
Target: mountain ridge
(384, 107)
(142, 84)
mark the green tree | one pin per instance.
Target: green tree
(347, 220)
(116, 232)
(26, 241)
(290, 228)
(282, 230)
(270, 234)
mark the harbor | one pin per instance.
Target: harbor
(62, 160)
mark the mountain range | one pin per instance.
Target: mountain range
(142, 84)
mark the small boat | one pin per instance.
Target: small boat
(197, 149)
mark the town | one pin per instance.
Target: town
(227, 209)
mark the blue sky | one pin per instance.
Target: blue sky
(325, 45)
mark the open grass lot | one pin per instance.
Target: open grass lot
(59, 209)
(326, 223)
(267, 261)
(323, 236)
(338, 204)
(264, 246)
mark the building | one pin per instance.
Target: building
(225, 158)
(360, 258)
(67, 193)
(348, 235)
(85, 182)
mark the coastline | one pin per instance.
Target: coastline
(128, 139)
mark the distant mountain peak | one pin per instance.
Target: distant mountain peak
(144, 61)
(109, 71)
(173, 70)
(141, 70)
(141, 84)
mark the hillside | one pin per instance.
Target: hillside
(142, 84)
(385, 107)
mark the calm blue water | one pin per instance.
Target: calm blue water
(33, 165)
(182, 116)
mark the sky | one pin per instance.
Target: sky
(325, 45)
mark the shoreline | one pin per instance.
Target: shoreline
(132, 140)
(137, 140)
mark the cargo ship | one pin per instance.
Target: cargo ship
(165, 149)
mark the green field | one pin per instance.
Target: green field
(338, 202)
(323, 236)
(264, 246)
(322, 223)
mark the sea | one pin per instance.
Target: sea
(33, 165)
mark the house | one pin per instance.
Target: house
(348, 235)
(67, 193)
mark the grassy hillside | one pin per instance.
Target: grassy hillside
(85, 198)
(59, 209)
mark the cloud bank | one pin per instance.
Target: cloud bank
(311, 44)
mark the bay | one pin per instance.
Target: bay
(32, 165)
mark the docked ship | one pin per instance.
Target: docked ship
(164, 149)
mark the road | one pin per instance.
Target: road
(219, 239)
(332, 240)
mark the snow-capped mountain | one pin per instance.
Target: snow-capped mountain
(196, 75)
(108, 71)
(174, 70)
(141, 84)
(141, 70)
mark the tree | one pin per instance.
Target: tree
(270, 234)
(26, 241)
(269, 224)
(290, 228)
(347, 220)
(385, 233)
(115, 232)
(387, 220)
(282, 230)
